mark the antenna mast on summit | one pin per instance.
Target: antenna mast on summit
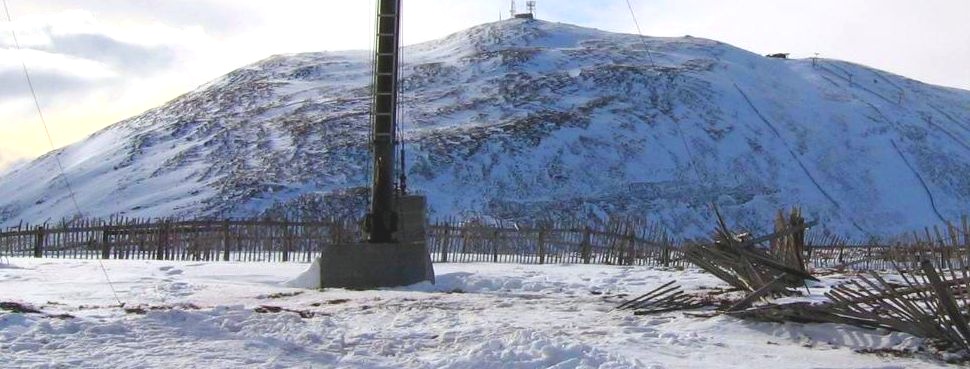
(530, 5)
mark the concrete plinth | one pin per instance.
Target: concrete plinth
(365, 265)
(373, 265)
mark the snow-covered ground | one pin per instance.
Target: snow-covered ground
(477, 316)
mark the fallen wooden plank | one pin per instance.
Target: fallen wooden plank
(761, 292)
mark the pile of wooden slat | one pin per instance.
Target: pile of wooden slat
(930, 300)
(790, 249)
(21, 308)
(668, 297)
(928, 303)
(738, 262)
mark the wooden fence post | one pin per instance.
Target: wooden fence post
(39, 239)
(629, 256)
(445, 242)
(465, 230)
(162, 241)
(540, 244)
(586, 247)
(225, 240)
(287, 241)
(105, 245)
(619, 248)
(495, 245)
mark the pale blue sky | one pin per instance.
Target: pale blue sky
(98, 61)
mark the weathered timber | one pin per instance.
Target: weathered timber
(668, 297)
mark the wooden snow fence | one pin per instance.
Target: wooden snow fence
(929, 302)
(789, 246)
(946, 245)
(171, 239)
(614, 243)
(926, 297)
(668, 297)
(287, 240)
(738, 262)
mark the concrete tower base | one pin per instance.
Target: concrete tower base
(365, 265)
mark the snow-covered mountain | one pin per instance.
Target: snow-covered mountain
(526, 119)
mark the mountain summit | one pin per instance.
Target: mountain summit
(531, 119)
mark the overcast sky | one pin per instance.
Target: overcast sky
(95, 62)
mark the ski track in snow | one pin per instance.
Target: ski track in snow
(477, 316)
(795, 157)
(922, 182)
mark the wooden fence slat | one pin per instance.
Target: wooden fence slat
(626, 242)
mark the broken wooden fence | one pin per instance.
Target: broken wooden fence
(627, 242)
(946, 246)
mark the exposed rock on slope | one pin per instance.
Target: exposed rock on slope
(525, 119)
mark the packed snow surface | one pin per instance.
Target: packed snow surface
(204, 315)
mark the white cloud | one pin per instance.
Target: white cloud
(70, 53)
(49, 62)
(87, 73)
(10, 160)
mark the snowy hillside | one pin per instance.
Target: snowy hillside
(524, 119)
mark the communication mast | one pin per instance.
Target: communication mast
(530, 5)
(394, 251)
